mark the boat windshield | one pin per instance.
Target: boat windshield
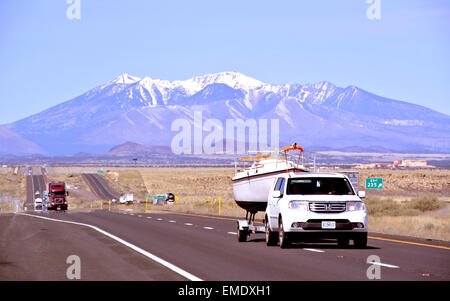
(322, 185)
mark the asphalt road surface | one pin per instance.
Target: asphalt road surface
(100, 187)
(36, 249)
(35, 188)
(207, 248)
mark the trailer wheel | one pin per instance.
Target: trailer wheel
(284, 241)
(242, 236)
(271, 237)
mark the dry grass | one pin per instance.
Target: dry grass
(412, 207)
(127, 181)
(198, 190)
(11, 187)
(421, 226)
(424, 217)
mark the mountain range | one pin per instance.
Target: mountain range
(142, 110)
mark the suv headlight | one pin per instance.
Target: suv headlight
(355, 206)
(301, 205)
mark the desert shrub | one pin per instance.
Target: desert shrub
(425, 204)
(389, 207)
(380, 207)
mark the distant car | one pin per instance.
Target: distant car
(38, 204)
(170, 198)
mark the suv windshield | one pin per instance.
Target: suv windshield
(313, 185)
(58, 193)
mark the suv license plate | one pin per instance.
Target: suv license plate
(329, 225)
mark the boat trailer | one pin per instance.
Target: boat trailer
(247, 226)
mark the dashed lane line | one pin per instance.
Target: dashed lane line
(131, 246)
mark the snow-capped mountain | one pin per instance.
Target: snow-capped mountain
(128, 108)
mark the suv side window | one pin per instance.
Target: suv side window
(282, 185)
(278, 184)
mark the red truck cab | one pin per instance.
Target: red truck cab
(57, 196)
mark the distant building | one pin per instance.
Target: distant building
(412, 164)
(375, 165)
(396, 164)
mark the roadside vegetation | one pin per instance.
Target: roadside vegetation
(425, 217)
(11, 187)
(388, 207)
(412, 203)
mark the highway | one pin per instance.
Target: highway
(100, 187)
(204, 247)
(207, 248)
(35, 183)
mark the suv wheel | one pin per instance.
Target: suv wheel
(361, 240)
(271, 237)
(343, 242)
(282, 236)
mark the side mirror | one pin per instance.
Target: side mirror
(362, 194)
(67, 193)
(276, 194)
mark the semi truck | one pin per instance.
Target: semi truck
(57, 196)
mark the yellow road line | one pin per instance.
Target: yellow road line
(409, 242)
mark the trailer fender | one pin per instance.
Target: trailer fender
(242, 224)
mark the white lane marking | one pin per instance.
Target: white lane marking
(131, 246)
(188, 224)
(139, 215)
(172, 221)
(385, 265)
(314, 250)
(159, 219)
(232, 233)
(149, 217)
(131, 213)
(208, 228)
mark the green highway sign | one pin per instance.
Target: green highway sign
(100, 171)
(148, 196)
(160, 197)
(374, 183)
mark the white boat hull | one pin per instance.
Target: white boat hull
(251, 186)
(251, 193)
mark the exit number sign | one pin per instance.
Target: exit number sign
(374, 183)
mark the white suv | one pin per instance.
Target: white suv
(308, 206)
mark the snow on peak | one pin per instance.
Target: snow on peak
(125, 79)
(235, 80)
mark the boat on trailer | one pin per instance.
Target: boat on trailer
(251, 185)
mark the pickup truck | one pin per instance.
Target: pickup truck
(38, 204)
(311, 206)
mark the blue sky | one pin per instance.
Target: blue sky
(46, 58)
